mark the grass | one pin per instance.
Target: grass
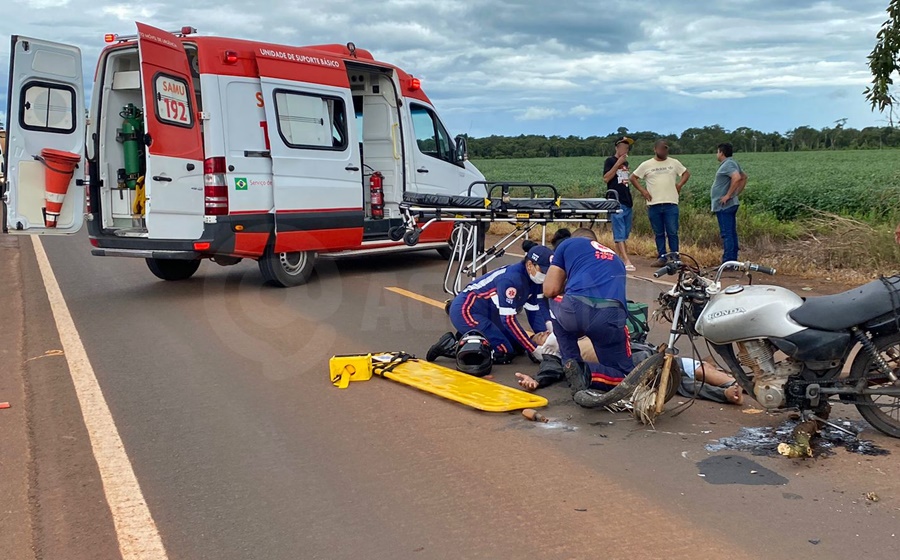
(804, 212)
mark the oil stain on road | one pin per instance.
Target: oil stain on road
(734, 469)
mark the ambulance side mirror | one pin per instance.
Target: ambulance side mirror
(462, 149)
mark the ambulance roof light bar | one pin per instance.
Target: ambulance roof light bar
(112, 37)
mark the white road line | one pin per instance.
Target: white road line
(136, 531)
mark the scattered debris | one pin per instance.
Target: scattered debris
(872, 496)
(4, 405)
(534, 415)
(814, 541)
(753, 472)
(752, 411)
(47, 354)
(580, 509)
(765, 440)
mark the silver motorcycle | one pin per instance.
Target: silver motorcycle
(788, 352)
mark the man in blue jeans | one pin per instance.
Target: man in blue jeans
(591, 280)
(729, 182)
(616, 176)
(665, 177)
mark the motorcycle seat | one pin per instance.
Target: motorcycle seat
(847, 309)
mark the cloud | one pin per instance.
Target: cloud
(539, 113)
(519, 66)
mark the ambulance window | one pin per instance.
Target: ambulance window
(47, 108)
(431, 136)
(173, 105)
(310, 121)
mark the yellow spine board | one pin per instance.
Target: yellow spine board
(481, 394)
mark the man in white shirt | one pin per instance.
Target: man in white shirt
(664, 177)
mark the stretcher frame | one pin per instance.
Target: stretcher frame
(473, 215)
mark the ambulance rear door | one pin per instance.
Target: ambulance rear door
(317, 172)
(174, 179)
(45, 111)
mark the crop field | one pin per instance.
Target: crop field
(827, 208)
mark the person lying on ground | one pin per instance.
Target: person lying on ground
(708, 382)
(704, 379)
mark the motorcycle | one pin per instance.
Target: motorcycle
(786, 351)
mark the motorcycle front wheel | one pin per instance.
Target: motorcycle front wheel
(882, 411)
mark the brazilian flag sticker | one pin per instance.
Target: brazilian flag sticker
(240, 183)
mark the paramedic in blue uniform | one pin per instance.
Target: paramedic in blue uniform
(590, 277)
(490, 304)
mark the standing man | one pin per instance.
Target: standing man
(616, 177)
(730, 180)
(665, 177)
(591, 279)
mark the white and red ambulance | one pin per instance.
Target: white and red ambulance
(207, 147)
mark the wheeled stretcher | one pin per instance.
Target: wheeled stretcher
(473, 214)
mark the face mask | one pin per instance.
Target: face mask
(537, 277)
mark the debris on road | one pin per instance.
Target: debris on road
(534, 415)
(872, 496)
(4, 405)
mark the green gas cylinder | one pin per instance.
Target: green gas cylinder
(131, 137)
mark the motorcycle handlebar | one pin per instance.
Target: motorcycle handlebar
(761, 269)
(662, 271)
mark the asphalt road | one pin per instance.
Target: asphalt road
(243, 449)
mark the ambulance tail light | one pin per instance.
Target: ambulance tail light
(231, 57)
(215, 189)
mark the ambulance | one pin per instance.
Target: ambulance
(200, 147)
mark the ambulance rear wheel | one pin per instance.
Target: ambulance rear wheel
(171, 269)
(287, 269)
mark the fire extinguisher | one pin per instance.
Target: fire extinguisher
(376, 190)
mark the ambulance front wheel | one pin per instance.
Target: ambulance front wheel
(287, 269)
(171, 269)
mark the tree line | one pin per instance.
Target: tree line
(691, 141)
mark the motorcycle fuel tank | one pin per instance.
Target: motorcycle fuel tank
(747, 312)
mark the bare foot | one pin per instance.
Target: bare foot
(735, 394)
(526, 382)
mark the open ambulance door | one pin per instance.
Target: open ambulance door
(316, 165)
(174, 179)
(45, 112)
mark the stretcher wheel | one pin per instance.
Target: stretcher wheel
(396, 233)
(412, 237)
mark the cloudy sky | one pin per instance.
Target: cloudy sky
(567, 67)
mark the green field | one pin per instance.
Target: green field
(785, 198)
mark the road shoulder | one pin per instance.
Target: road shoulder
(15, 521)
(68, 514)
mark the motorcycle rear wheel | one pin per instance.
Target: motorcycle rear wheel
(882, 411)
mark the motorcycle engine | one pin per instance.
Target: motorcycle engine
(769, 378)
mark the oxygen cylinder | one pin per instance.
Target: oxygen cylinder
(131, 136)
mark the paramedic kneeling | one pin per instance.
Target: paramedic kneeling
(591, 279)
(490, 304)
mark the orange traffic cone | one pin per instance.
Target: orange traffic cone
(60, 168)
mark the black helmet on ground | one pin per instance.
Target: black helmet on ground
(474, 355)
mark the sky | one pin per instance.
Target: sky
(563, 67)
